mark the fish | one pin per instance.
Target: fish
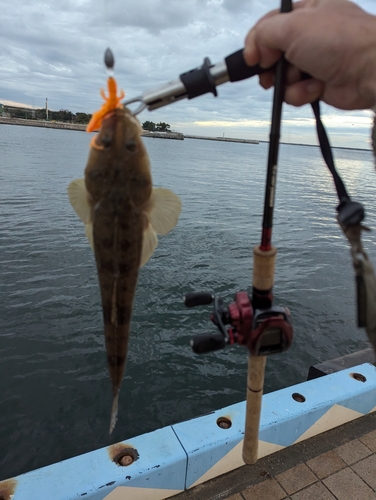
(123, 214)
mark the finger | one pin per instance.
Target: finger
(272, 34)
(304, 92)
(267, 79)
(293, 74)
(268, 39)
(254, 53)
(266, 56)
(250, 53)
(305, 3)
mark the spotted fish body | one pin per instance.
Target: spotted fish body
(122, 214)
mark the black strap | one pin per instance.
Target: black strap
(326, 151)
(349, 212)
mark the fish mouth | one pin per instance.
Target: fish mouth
(109, 114)
(104, 137)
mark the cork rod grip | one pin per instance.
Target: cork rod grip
(263, 279)
(255, 385)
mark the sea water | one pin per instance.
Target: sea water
(55, 393)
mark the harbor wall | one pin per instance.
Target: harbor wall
(221, 139)
(41, 123)
(145, 133)
(77, 126)
(162, 463)
(163, 135)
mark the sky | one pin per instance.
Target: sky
(55, 50)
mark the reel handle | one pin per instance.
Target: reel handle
(194, 299)
(202, 344)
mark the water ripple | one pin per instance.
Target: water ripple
(54, 388)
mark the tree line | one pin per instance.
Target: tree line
(156, 127)
(64, 115)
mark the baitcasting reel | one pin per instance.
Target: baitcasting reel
(263, 331)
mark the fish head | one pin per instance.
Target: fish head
(118, 157)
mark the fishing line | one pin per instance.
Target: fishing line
(107, 21)
(108, 57)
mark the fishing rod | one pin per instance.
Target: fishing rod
(255, 323)
(264, 257)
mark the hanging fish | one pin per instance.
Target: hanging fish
(122, 214)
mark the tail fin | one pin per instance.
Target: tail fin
(114, 412)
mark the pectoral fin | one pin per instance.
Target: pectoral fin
(89, 234)
(79, 200)
(149, 244)
(165, 208)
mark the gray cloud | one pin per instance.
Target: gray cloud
(236, 5)
(152, 15)
(55, 50)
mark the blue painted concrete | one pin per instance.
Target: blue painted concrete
(283, 420)
(161, 464)
(176, 457)
(206, 443)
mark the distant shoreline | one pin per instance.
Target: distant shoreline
(317, 146)
(42, 123)
(156, 135)
(222, 139)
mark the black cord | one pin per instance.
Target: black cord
(326, 151)
(349, 212)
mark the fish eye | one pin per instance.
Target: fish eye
(130, 145)
(106, 141)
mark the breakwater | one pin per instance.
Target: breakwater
(41, 123)
(82, 127)
(163, 135)
(155, 135)
(222, 139)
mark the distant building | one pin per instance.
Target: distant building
(2, 110)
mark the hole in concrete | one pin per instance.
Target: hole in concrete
(358, 376)
(224, 422)
(126, 457)
(7, 489)
(299, 398)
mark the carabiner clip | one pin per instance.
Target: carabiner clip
(140, 108)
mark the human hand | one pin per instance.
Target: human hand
(334, 41)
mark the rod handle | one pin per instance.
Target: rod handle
(238, 69)
(255, 384)
(263, 268)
